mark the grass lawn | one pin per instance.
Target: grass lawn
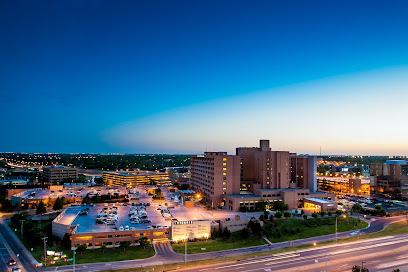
(235, 241)
(287, 229)
(110, 255)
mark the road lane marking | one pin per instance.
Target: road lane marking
(275, 257)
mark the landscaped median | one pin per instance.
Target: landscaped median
(277, 230)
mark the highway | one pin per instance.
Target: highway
(382, 254)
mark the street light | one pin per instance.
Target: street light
(185, 250)
(45, 251)
(325, 256)
(344, 216)
(362, 266)
(22, 226)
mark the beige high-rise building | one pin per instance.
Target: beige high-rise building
(215, 175)
(263, 168)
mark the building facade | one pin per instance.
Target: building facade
(59, 174)
(390, 178)
(215, 175)
(134, 179)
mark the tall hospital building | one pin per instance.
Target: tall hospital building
(255, 174)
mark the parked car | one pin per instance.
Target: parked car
(11, 262)
(145, 221)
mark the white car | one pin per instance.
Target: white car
(127, 228)
(121, 229)
(148, 227)
(159, 226)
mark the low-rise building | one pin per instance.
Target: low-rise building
(133, 179)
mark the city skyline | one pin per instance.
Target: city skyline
(183, 77)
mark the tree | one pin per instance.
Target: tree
(287, 214)
(244, 233)
(357, 268)
(86, 200)
(226, 233)
(305, 216)
(271, 218)
(278, 215)
(124, 245)
(357, 208)
(158, 193)
(279, 205)
(81, 248)
(143, 242)
(315, 215)
(261, 217)
(322, 213)
(41, 208)
(260, 205)
(81, 178)
(338, 212)
(396, 270)
(66, 241)
(255, 227)
(103, 247)
(329, 214)
(58, 205)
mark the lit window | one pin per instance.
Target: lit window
(224, 174)
(224, 159)
(224, 183)
(224, 188)
(224, 169)
(224, 164)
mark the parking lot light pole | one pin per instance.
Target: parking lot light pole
(362, 266)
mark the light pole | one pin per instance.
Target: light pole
(344, 216)
(362, 266)
(22, 225)
(45, 251)
(73, 267)
(185, 251)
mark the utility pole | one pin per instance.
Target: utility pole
(22, 225)
(362, 266)
(45, 250)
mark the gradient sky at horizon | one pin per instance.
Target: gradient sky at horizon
(190, 76)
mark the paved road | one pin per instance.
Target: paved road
(383, 254)
(4, 258)
(14, 247)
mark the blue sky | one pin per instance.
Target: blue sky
(190, 76)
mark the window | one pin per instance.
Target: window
(224, 188)
(224, 159)
(224, 174)
(224, 164)
(224, 169)
(224, 183)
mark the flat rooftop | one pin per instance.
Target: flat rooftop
(319, 200)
